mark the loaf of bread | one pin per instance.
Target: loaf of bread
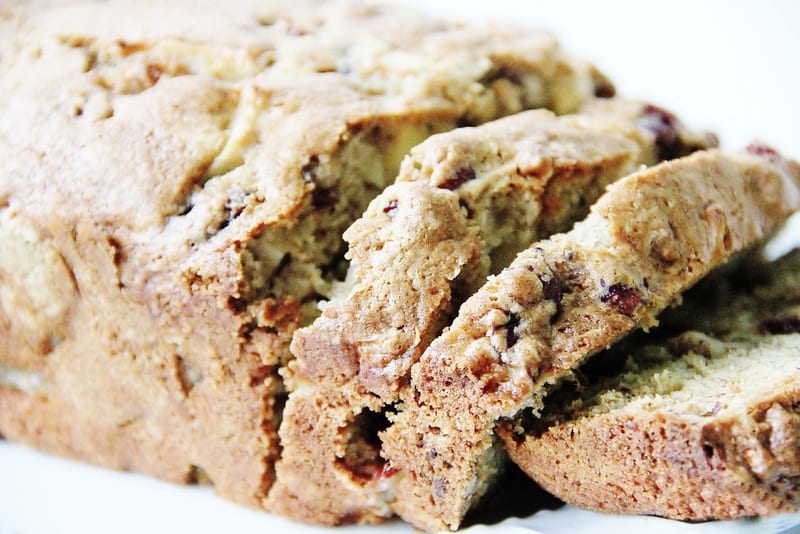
(175, 181)
(179, 185)
(465, 203)
(695, 424)
(648, 238)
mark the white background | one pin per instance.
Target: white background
(728, 66)
(733, 66)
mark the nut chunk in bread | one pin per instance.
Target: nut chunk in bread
(697, 425)
(464, 204)
(649, 237)
(175, 181)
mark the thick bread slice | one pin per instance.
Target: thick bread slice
(175, 180)
(651, 236)
(464, 204)
(700, 425)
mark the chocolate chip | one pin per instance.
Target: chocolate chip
(623, 297)
(462, 175)
(782, 325)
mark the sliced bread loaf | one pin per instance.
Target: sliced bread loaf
(698, 425)
(648, 238)
(176, 178)
(464, 204)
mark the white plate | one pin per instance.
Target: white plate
(728, 66)
(41, 494)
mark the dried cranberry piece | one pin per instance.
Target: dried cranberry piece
(387, 471)
(390, 209)
(623, 297)
(462, 175)
(759, 149)
(664, 125)
(783, 325)
(551, 288)
(511, 336)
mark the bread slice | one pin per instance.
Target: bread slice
(176, 178)
(649, 237)
(464, 204)
(699, 425)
